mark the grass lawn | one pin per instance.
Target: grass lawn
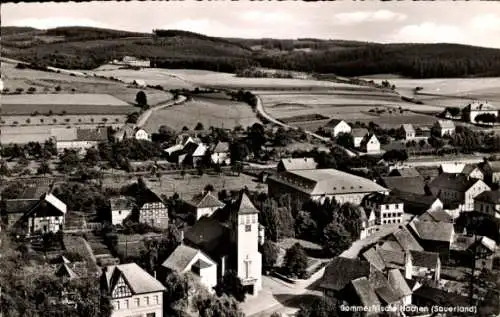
(210, 112)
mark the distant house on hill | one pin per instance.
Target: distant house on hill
(444, 127)
(78, 138)
(220, 153)
(296, 164)
(409, 132)
(477, 108)
(337, 126)
(135, 61)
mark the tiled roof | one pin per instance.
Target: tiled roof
(380, 198)
(438, 215)
(469, 168)
(327, 181)
(371, 255)
(180, 258)
(405, 172)
(446, 124)
(408, 128)
(406, 240)
(425, 201)
(387, 294)
(303, 163)
(341, 271)
(121, 203)
(207, 234)
(490, 196)
(64, 134)
(206, 201)
(365, 292)
(433, 231)
(398, 283)
(460, 182)
(412, 184)
(424, 259)
(246, 206)
(140, 281)
(334, 122)
(359, 132)
(221, 147)
(202, 264)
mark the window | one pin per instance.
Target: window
(248, 228)
(119, 212)
(386, 207)
(156, 300)
(146, 300)
(117, 305)
(137, 302)
(126, 304)
(151, 315)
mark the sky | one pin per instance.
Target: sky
(472, 22)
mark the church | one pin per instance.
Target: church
(216, 244)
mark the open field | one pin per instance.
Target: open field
(448, 92)
(46, 82)
(211, 112)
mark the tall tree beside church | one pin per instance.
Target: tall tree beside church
(230, 284)
(336, 239)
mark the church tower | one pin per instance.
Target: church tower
(246, 235)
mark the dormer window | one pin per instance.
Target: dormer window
(248, 228)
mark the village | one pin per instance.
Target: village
(160, 172)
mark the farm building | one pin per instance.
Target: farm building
(135, 61)
(336, 126)
(47, 215)
(128, 131)
(319, 184)
(370, 144)
(444, 127)
(151, 207)
(477, 108)
(77, 138)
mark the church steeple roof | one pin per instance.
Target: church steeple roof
(246, 206)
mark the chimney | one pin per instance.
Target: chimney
(408, 265)
(182, 235)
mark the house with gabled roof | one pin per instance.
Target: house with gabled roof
(133, 291)
(296, 164)
(457, 190)
(47, 215)
(337, 126)
(221, 154)
(491, 171)
(150, 206)
(388, 209)
(203, 205)
(121, 208)
(434, 236)
(436, 215)
(188, 259)
(358, 134)
(79, 139)
(232, 245)
(409, 131)
(370, 144)
(488, 203)
(444, 127)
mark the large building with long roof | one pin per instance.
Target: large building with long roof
(318, 184)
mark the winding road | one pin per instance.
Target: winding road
(143, 118)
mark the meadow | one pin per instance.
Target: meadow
(216, 112)
(46, 82)
(447, 92)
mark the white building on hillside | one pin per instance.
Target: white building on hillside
(472, 110)
(337, 126)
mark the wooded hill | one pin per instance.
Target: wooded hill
(87, 48)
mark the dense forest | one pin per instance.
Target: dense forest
(87, 48)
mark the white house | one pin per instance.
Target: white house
(387, 209)
(204, 205)
(79, 139)
(141, 134)
(476, 108)
(358, 134)
(133, 291)
(121, 208)
(337, 126)
(187, 259)
(445, 127)
(409, 131)
(220, 154)
(370, 144)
